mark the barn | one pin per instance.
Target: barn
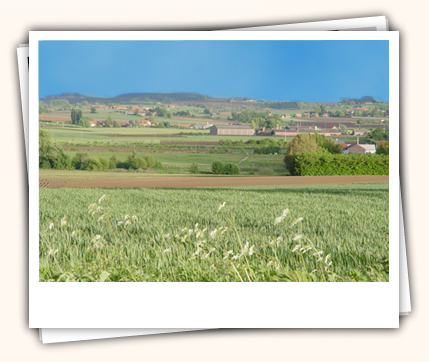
(234, 130)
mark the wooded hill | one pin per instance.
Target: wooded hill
(130, 98)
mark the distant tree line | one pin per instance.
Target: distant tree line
(256, 119)
(354, 101)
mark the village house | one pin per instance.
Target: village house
(298, 115)
(92, 123)
(144, 122)
(325, 115)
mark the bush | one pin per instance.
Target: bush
(325, 164)
(217, 167)
(104, 162)
(150, 161)
(231, 169)
(113, 162)
(139, 163)
(91, 165)
(51, 155)
(125, 165)
(78, 160)
(45, 165)
(193, 168)
(266, 150)
(158, 166)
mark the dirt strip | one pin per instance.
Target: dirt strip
(219, 181)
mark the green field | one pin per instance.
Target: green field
(120, 136)
(179, 235)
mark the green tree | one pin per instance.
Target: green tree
(79, 159)
(301, 143)
(193, 168)
(50, 154)
(104, 162)
(73, 116)
(84, 122)
(109, 121)
(231, 169)
(112, 162)
(343, 129)
(93, 110)
(383, 149)
(217, 167)
(206, 111)
(317, 108)
(150, 161)
(43, 108)
(378, 134)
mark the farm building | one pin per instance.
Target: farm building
(292, 130)
(235, 130)
(203, 126)
(360, 132)
(358, 148)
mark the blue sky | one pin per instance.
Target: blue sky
(308, 71)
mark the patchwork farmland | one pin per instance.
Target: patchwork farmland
(111, 175)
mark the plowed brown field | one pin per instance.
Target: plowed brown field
(218, 181)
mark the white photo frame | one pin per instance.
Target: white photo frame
(373, 304)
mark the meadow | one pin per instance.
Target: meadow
(311, 233)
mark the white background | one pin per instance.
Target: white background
(19, 343)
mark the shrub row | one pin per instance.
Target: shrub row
(326, 164)
(82, 161)
(219, 168)
(266, 150)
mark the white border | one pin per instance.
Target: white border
(215, 305)
(380, 22)
(22, 54)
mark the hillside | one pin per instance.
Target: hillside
(129, 98)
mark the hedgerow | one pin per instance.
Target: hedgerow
(326, 164)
